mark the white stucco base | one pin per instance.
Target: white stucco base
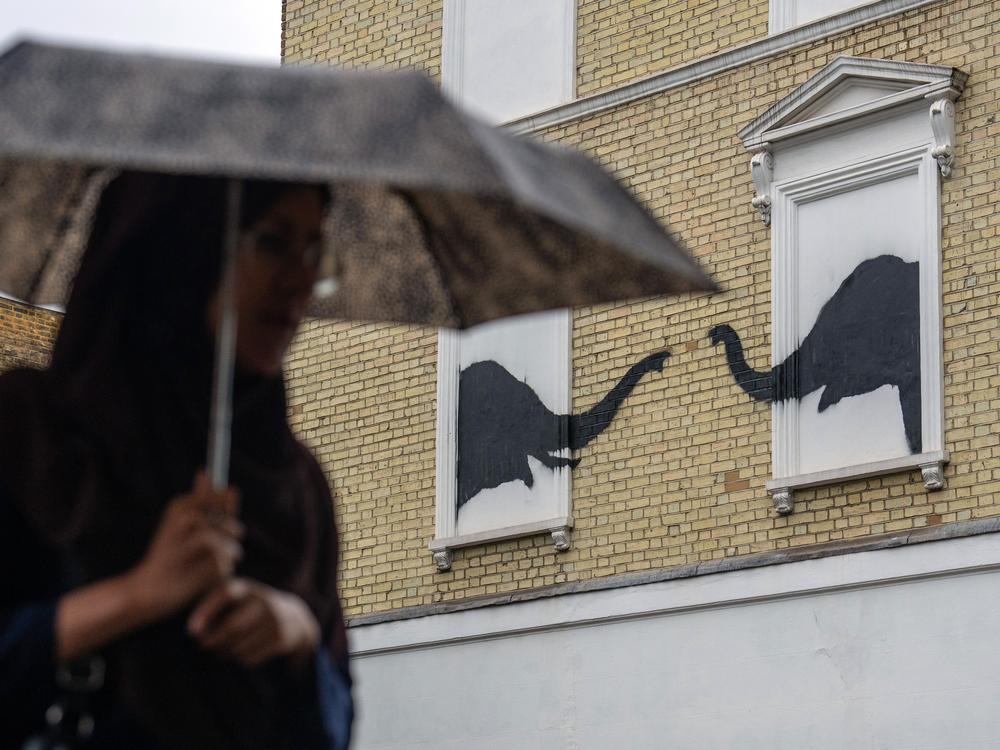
(887, 649)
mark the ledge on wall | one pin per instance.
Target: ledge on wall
(862, 471)
(558, 528)
(891, 540)
(706, 67)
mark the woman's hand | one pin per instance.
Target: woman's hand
(249, 622)
(195, 547)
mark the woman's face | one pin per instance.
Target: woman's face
(276, 270)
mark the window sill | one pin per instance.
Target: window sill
(930, 465)
(559, 528)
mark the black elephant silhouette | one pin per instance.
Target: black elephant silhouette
(867, 335)
(501, 422)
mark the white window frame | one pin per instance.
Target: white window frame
(787, 198)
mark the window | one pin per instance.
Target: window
(847, 172)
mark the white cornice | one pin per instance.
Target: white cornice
(917, 81)
(713, 65)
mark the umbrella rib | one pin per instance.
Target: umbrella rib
(79, 200)
(430, 243)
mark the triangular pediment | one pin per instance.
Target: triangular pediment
(850, 92)
(847, 88)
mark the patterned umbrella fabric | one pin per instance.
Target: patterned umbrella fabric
(438, 218)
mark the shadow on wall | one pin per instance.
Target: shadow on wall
(502, 422)
(867, 335)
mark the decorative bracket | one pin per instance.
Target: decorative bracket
(943, 125)
(561, 539)
(443, 560)
(762, 171)
(784, 501)
(933, 476)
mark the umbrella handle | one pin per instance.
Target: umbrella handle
(220, 426)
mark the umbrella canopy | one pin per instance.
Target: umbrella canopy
(439, 219)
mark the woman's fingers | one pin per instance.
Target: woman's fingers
(244, 631)
(254, 648)
(201, 485)
(207, 610)
(221, 599)
(249, 622)
(213, 501)
(230, 527)
(210, 544)
(195, 547)
(243, 619)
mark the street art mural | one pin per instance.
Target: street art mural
(504, 427)
(866, 337)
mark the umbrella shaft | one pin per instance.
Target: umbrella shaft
(225, 346)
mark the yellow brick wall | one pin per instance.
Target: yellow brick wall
(363, 33)
(26, 335)
(363, 396)
(679, 476)
(618, 42)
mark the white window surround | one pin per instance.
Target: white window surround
(857, 123)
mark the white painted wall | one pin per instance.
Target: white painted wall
(892, 649)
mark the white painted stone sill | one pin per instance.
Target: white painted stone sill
(859, 471)
(502, 534)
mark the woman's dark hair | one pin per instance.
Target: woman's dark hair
(168, 234)
(260, 195)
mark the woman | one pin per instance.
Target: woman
(215, 612)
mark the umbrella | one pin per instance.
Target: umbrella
(440, 219)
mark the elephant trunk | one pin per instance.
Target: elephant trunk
(757, 384)
(585, 427)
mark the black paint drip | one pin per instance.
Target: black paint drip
(867, 335)
(501, 422)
